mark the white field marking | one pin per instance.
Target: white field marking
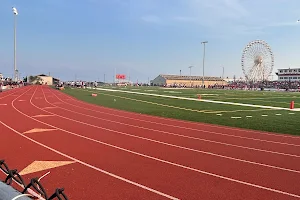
(173, 120)
(209, 94)
(22, 100)
(264, 115)
(236, 117)
(187, 128)
(145, 156)
(3, 104)
(175, 92)
(150, 90)
(81, 162)
(135, 89)
(278, 114)
(233, 111)
(168, 144)
(158, 104)
(249, 116)
(202, 100)
(291, 113)
(219, 114)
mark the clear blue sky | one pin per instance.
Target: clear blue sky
(144, 37)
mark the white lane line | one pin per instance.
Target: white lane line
(278, 114)
(91, 166)
(77, 160)
(191, 99)
(236, 117)
(3, 104)
(168, 144)
(264, 115)
(142, 155)
(187, 128)
(249, 116)
(182, 122)
(164, 161)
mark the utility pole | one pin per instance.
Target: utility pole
(191, 75)
(205, 42)
(223, 77)
(180, 72)
(104, 79)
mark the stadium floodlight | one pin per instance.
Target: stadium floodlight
(15, 12)
(191, 74)
(298, 20)
(205, 42)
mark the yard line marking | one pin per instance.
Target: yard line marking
(278, 114)
(219, 114)
(249, 116)
(233, 111)
(193, 99)
(264, 115)
(291, 113)
(236, 117)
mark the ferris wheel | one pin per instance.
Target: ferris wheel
(257, 61)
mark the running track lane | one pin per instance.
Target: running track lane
(80, 182)
(185, 125)
(261, 173)
(240, 147)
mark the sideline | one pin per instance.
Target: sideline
(192, 99)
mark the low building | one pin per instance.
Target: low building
(42, 79)
(288, 74)
(186, 81)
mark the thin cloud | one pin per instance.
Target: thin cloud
(151, 19)
(280, 24)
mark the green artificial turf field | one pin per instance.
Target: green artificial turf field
(258, 118)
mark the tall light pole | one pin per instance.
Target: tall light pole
(191, 74)
(15, 11)
(203, 61)
(223, 77)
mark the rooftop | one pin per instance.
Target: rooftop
(177, 77)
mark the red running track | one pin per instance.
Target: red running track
(123, 155)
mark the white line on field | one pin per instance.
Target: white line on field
(202, 100)
(249, 116)
(236, 117)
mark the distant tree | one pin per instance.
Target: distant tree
(36, 79)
